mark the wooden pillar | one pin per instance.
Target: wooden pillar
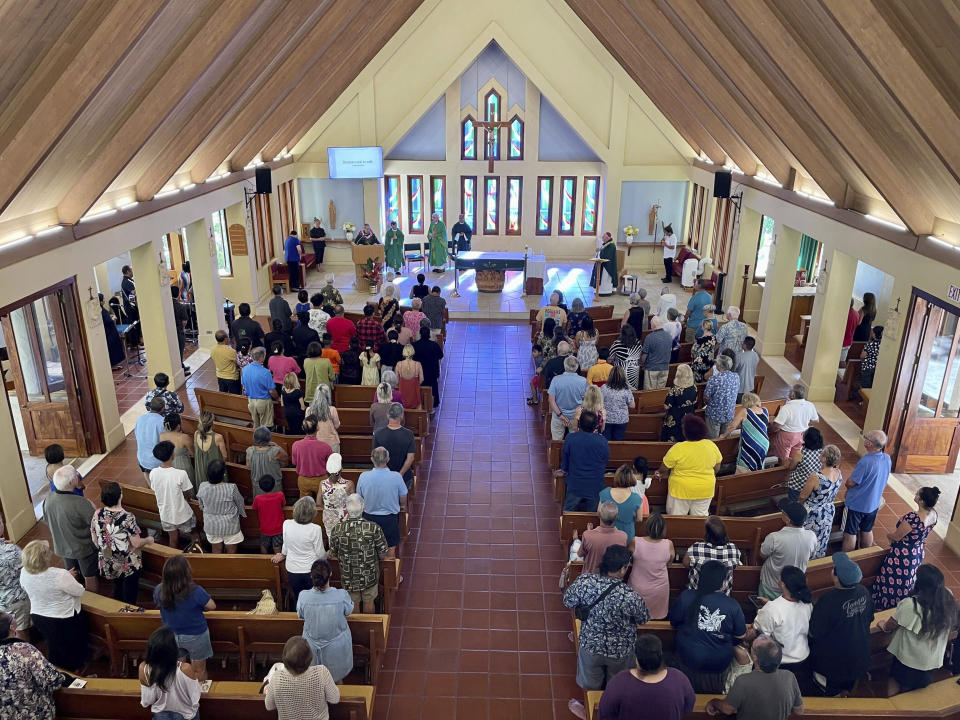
(778, 291)
(207, 292)
(156, 312)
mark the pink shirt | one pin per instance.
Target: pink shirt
(280, 365)
(411, 321)
(310, 456)
(853, 319)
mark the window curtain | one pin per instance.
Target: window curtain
(808, 255)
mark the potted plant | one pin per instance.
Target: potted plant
(373, 274)
(348, 229)
(630, 231)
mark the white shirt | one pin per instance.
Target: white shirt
(168, 484)
(788, 622)
(183, 696)
(670, 247)
(666, 302)
(302, 544)
(796, 415)
(54, 593)
(673, 329)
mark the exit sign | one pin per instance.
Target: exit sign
(953, 293)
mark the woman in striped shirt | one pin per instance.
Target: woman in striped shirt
(753, 421)
(222, 506)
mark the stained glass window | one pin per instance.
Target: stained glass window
(491, 214)
(468, 150)
(468, 200)
(492, 113)
(514, 194)
(415, 203)
(544, 204)
(591, 196)
(516, 139)
(437, 196)
(391, 191)
(568, 201)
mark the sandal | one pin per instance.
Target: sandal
(576, 709)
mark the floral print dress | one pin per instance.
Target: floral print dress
(680, 401)
(334, 496)
(899, 570)
(111, 531)
(702, 354)
(820, 511)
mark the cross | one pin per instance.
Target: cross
(492, 129)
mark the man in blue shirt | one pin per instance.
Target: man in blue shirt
(147, 432)
(864, 491)
(655, 357)
(721, 397)
(694, 316)
(566, 394)
(292, 250)
(583, 462)
(384, 495)
(259, 388)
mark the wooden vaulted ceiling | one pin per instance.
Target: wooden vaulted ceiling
(857, 99)
(108, 98)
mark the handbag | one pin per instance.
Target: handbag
(582, 612)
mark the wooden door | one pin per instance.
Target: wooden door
(41, 350)
(927, 436)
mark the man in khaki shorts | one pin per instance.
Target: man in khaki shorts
(359, 545)
(13, 598)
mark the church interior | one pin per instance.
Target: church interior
(173, 166)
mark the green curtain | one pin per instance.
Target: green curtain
(808, 255)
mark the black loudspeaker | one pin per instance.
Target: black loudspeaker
(721, 184)
(265, 184)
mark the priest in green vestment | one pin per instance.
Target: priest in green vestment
(437, 236)
(393, 241)
(609, 276)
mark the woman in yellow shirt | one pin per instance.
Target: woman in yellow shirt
(691, 469)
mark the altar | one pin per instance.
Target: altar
(491, 267)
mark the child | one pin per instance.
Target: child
(280, 366)
(329, 353)
(537, 355)
(172, 488)
(243, 353)
(870, 353)
(293, 408)
(391, 352)
(269, 509)
(350, 369)
(598, 374)
(370, 362)
(746, 366)
(641, 467)
(303, 303)
(54, 456)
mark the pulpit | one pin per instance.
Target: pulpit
(362, 253)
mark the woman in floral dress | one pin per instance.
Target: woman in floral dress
(703, 352)
(117, 536)
(333, 493)
(899, 569)
(681, 400)
(817, 496)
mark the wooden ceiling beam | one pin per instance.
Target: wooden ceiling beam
(212, 34)
(337, 78)
(103, 49)
(752, 129)
(225, 138)
(226, 99)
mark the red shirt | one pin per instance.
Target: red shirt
(310, 456)
(269, 507)
(853, 319)
(341, 330)
(280, 365)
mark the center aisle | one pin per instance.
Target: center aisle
(478, 630)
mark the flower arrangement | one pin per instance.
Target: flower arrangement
(630, 231)
(373, 273)
(348, 227)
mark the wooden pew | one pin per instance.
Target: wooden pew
(623, 452)
(361, 396)
(646, 426)
(233, 633)
(111, 699)
(848, 380)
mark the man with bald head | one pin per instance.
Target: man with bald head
(68, 517)
(566, 395)
(865, 490)
(554, 366)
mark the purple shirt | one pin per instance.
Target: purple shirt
(628, 698)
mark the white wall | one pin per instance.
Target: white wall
(114, 266)
(638, 197)
(347, 195)
(871, 279)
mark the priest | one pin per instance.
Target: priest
(366, 236)
(462, 233)
(437, 237)
(609, 276)
(393, 243)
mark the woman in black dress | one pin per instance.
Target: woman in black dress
(114, 343)
(868, 313)
(681, 400)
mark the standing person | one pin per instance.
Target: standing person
(703, 351)
(921, 625)
(865, 490)
(690, 468)
(597, 375)
(566, 395)
(429, 354)
(328, 293)
(720, 396)
(168, 686)
(225, 362)
(617, 403)
(733, 332)
(292, 250)
(437, 238)
(610, 611)
(246, 328)
(434, 307)
(575, 317)
(596, 540)
(839, 632)
(410, 378)
(393, 248)
(380, 408)
(117, 536)
(302, 545)
(366, 236)
(54, 456)
(68, 517)
(280, 310)
(669, 243)
(753, 422)
(652, 552)
(341, 330)
(657, 349)
(400, 443)
(268, 504)
(303, 335)
(792, 545)
(870, 354)
(608, 271)
(277, 336)
(350, 367)
(631, 505)
(29, 679)
(303, 304)
(333, 494)
(804, 461)
(552, 310)
(767, 693)
(280, 364)
(147, 432)
(208, 447)
(13, 598)
(868, 313)
(586, 341)
(650, 691)
(369, 330)
(462, 234)
(715, 546)
(384, 495)
(787, 618)
(293, 408)
(324, 610)
(296, 688)
(172, 488)
(185, 282)
(817, 497)
(791, 421)
(627, 352)
(583, 462)
(318, 370)
(265, 457)
(681, 400)
(222, 506)
(171, 401)
(115, 347)
(853, 319)
(182, 603)
(899, 569)
(635, 314)
(359, 545)
(128, 295)
(318, 237)
(328, 420)
(694, 314)
(309, 456)
(746, 366)
(318, 316)
(388, 306)
(259, 388)
(420, 290)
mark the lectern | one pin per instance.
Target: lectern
(362, 253)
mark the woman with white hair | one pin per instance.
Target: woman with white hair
(333, 493)
(390, 378)
(388, 305)
(330, 295)
(378, 410)
(412, 317)
(302, 545)
(667, 300)
(328, 421)
(732, 333)
(635, 314)
(681, 400)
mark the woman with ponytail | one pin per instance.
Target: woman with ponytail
(895, 579)
(787, 619)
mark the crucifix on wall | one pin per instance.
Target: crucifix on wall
(492, 130)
